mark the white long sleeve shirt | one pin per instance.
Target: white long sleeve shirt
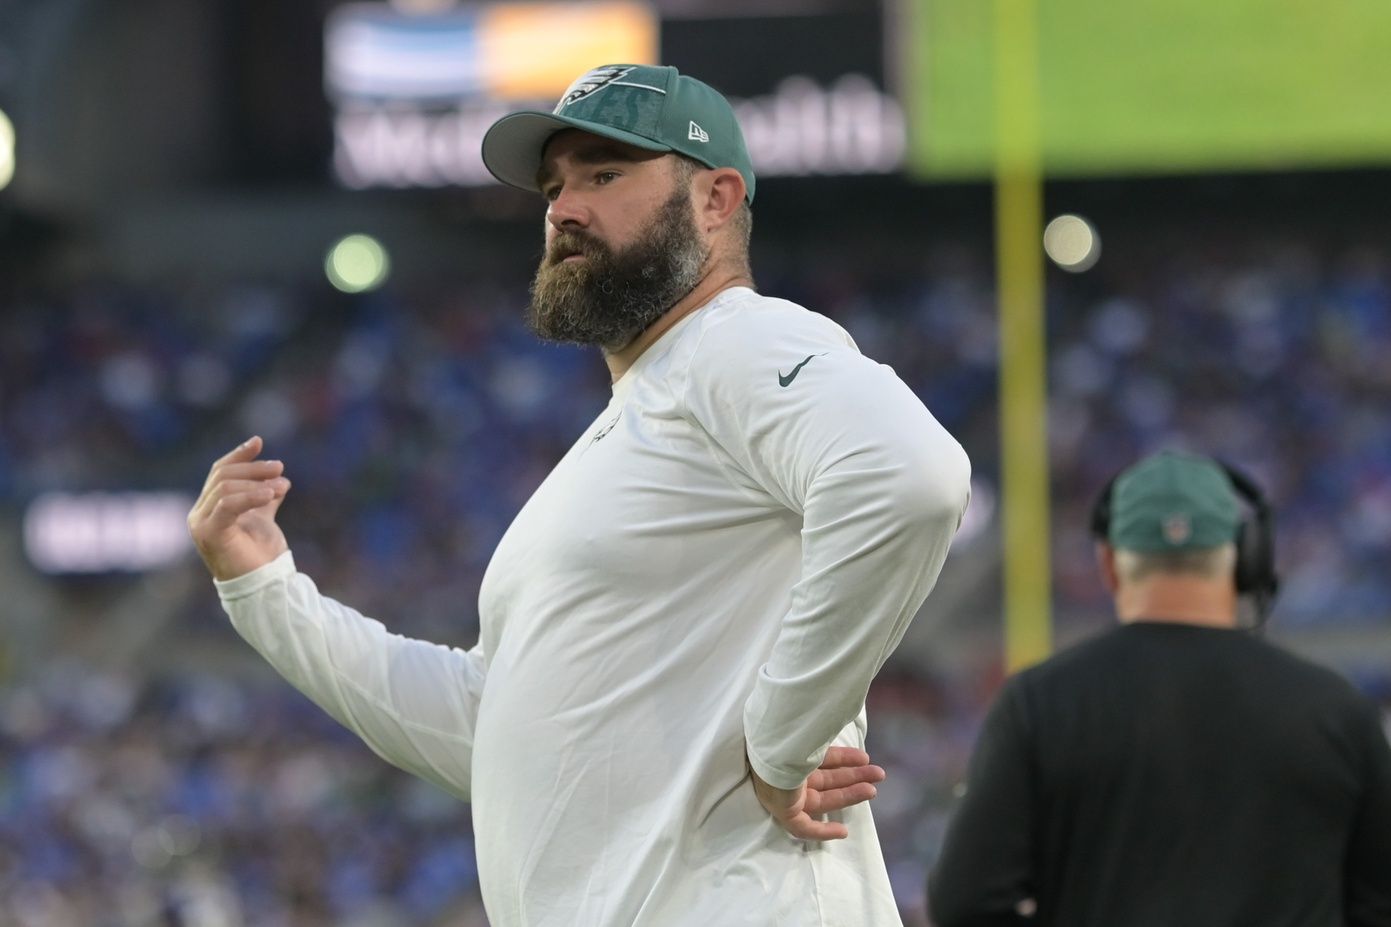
(717, 567)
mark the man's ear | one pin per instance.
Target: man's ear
(1106, 563)
(719, 194)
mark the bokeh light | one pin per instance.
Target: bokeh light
(1072, 243)
(7, 158)
(357, 263)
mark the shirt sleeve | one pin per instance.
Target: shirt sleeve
(803, 417)
(984, 871)
(1368, 861)
(414, 703)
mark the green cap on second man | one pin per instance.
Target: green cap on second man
(655, 108)
(1173, 501)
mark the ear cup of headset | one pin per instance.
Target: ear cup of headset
(1255, 541)
(1099, 522)
(1247, 568)
(1255, 556)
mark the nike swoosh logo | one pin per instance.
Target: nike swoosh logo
(603, 433)
(787, 380)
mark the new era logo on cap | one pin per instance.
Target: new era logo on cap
(697, 134)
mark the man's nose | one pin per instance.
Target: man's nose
(567, 211)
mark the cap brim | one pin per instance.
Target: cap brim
(512, 147)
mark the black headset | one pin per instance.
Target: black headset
(1255, 539)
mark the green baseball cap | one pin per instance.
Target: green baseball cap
(1173, 501)
(650, 107)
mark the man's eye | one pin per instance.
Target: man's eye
(604, 177)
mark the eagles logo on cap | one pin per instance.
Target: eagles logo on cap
(588, 83)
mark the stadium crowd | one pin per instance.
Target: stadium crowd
(414, 424)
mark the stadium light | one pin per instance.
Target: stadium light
(357, 263)
(1071, 242)
(7, 146)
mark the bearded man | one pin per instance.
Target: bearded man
(662, 724)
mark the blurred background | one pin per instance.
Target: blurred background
(227, 217)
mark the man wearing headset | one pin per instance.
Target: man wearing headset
(1175, 770)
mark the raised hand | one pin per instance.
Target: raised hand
(233, 521)
(844, 778)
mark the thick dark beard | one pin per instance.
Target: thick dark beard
(610, 297)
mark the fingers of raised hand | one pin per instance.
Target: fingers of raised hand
(240, 495)
(243, 453)
(224, 500)
(247, 450)
(247, 470)
(234, 487)
(239, 464)
(232, 505)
